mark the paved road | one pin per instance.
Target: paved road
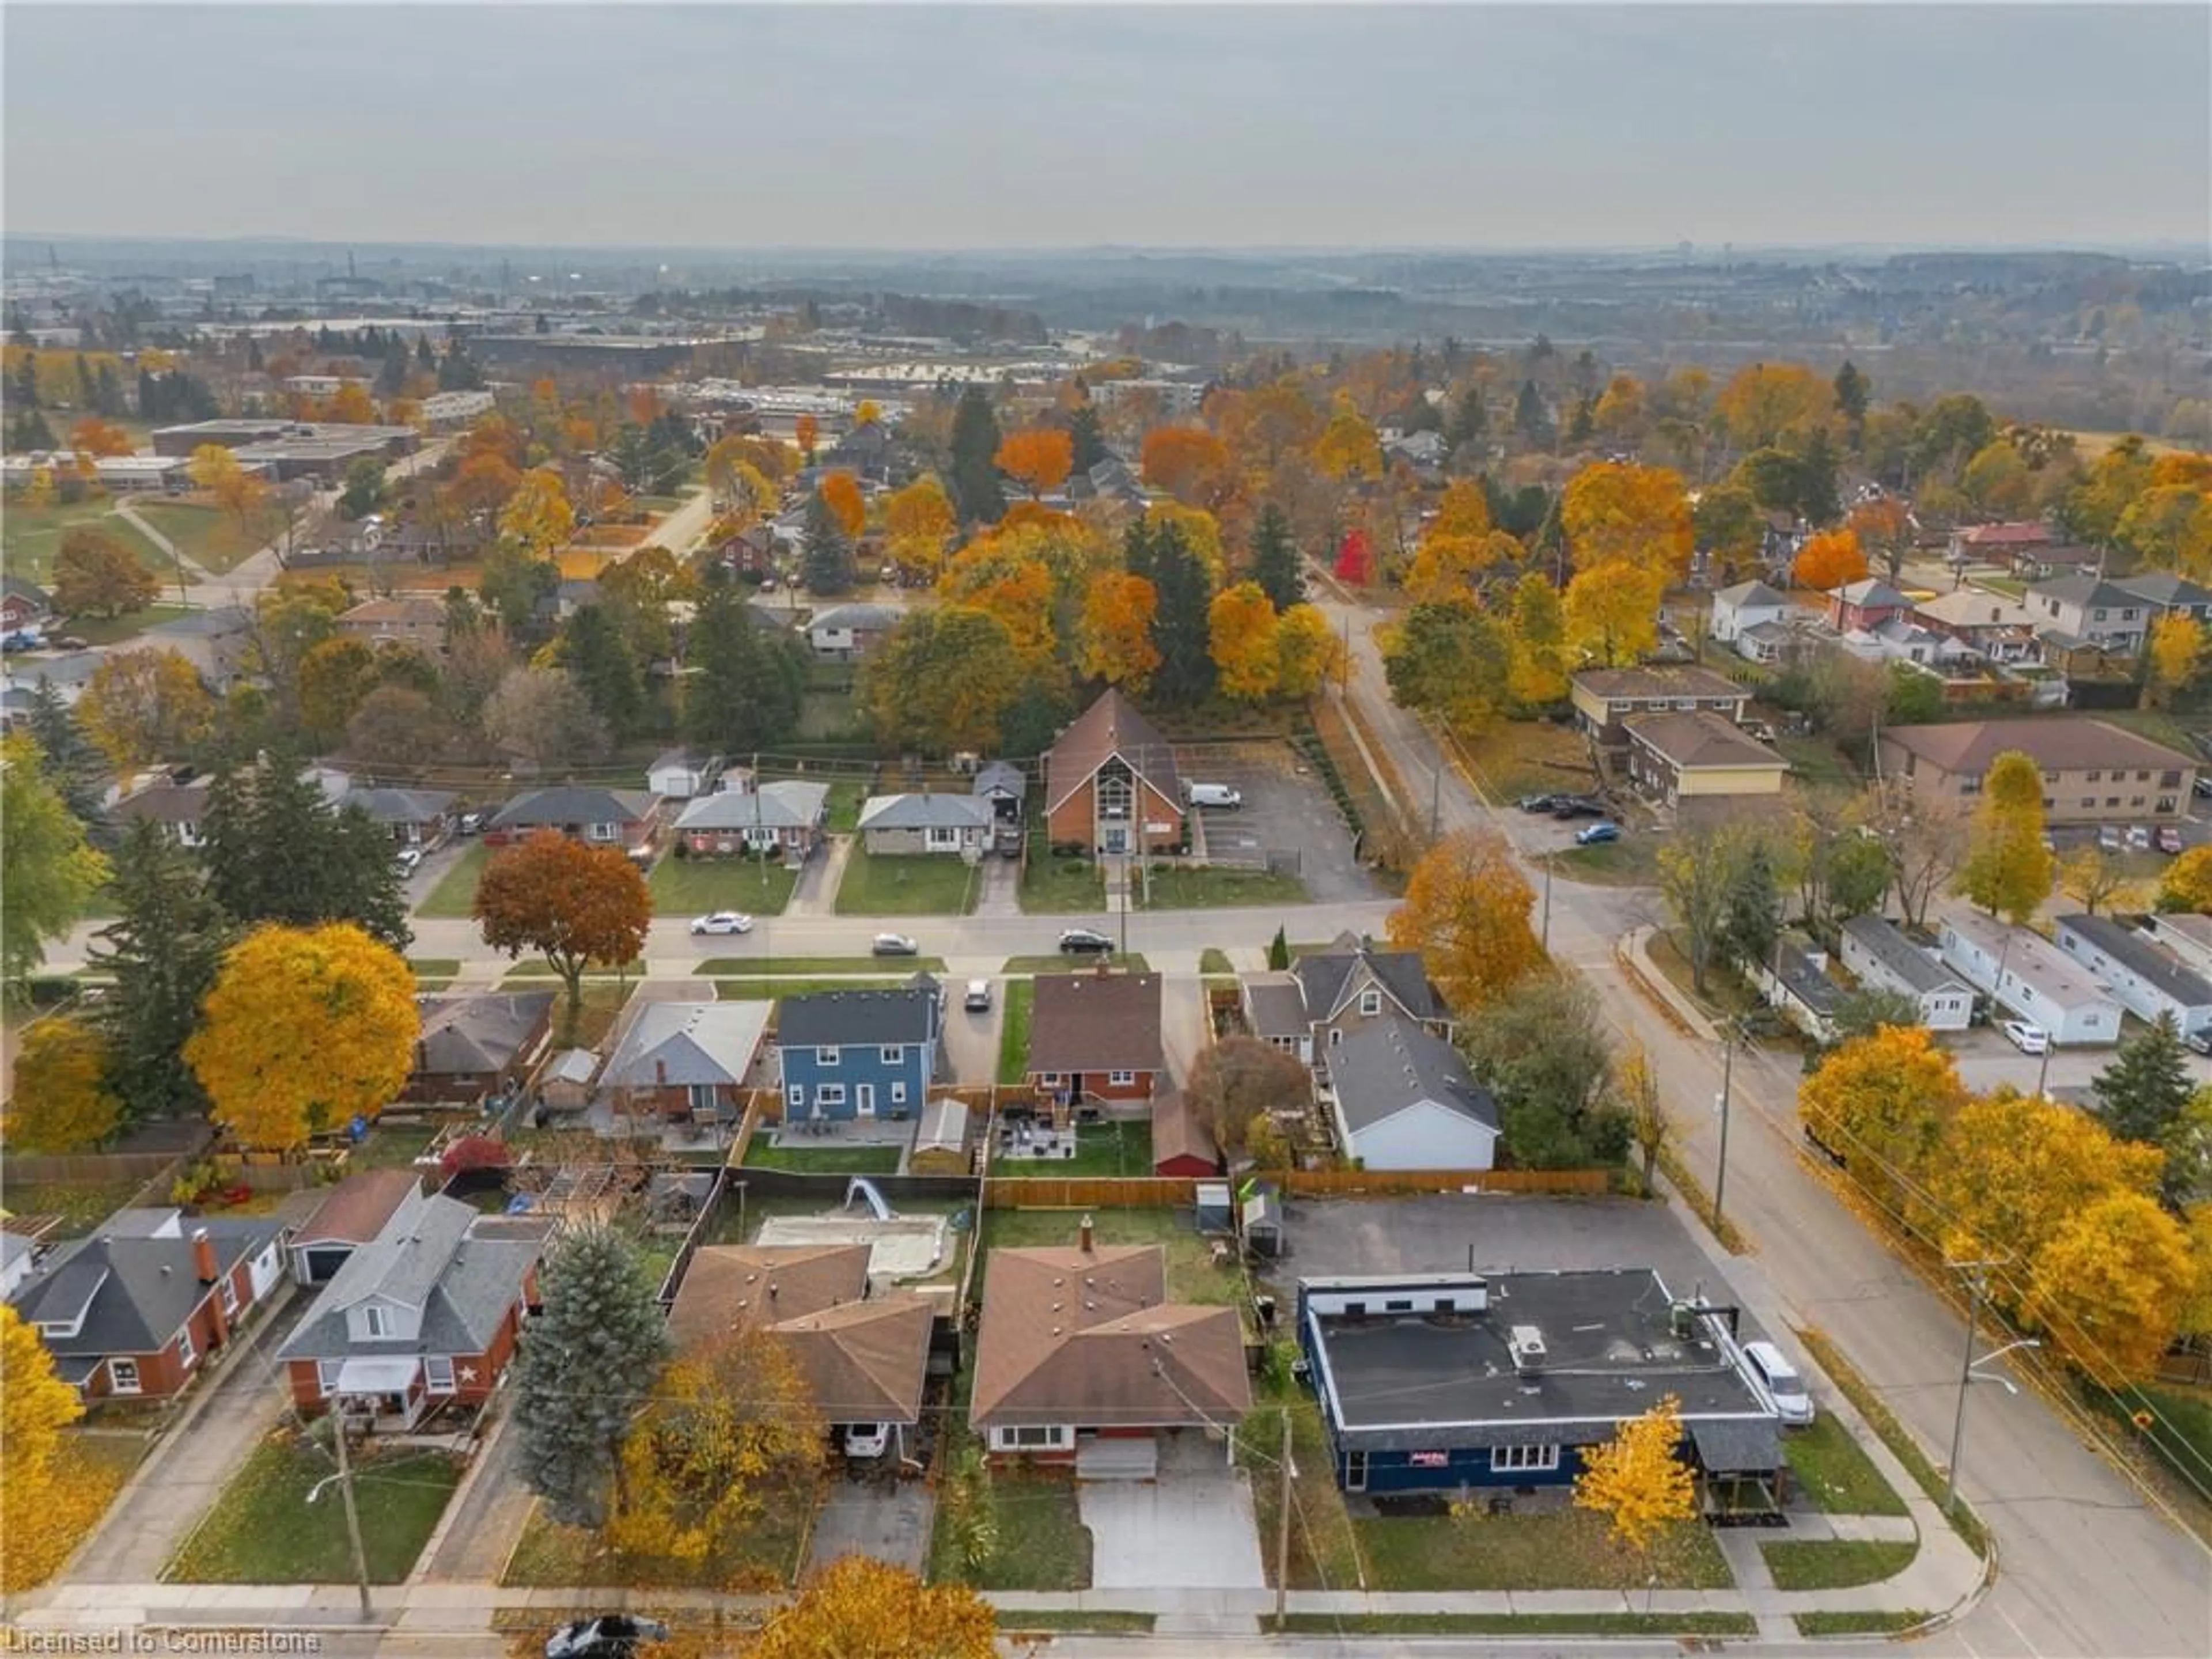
(2087, 1567)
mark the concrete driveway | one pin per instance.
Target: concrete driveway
(971, 1040)
(886, 1520)
(1193, 1528)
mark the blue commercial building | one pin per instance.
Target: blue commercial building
(1440, 1382)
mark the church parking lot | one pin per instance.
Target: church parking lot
(1285, 811)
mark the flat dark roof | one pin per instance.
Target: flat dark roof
(1409, 1381)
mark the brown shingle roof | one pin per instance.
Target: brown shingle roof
(727, 1286)
(1109, 726)
(1095, 1022)
(2059, 743)
(1086, 1337)
(1676, 682)
(355, 1210)
(864, 1361)
(2023, 534)
(1703, 739)
(1178, 1131)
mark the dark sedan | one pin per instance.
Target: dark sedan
(1084, 941)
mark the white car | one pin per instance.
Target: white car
(410, 860)
(1780, 1380)
(724, 921)
(894, 945)
(2029, 1039)
(868, 1439)
(978, 1000)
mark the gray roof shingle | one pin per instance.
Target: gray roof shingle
(1383, 1067)
(1325, 975)
(830, 1019)
(137, 1290)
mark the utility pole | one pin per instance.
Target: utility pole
(1975, 1285)
(1437, 790)
(352, 1514)
(1728, 1081)
(1546, 939)
(1283, 1528)
(2043, 1072)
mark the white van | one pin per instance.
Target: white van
(1214, 794)
(1780, 1380)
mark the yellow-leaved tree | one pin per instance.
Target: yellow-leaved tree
(2174, 655)
(1467, 912)
(1638, 1481)
(2010, 1169)
(1619, 512)
(61, 1101)
(537, 517)
(919, 523)
(1539, 674)
(572, 903)
(858, 1608)
(1241, 638)
(2109, 1289)
(306, 1029)
(2186, 886)
(1308, 653)
(1611, 613)
(43, 1496)
(2009, 870)
(1116, 631)
(1881, 1103)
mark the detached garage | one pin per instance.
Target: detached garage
(1405, 1100)
(352, 1215)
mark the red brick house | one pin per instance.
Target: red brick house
(480, 1044)
(1110, 782)
(1095, 1036)
(137, 1309)
(1867, 605)
(686, 1062)
(627, 819)
(427, 1314)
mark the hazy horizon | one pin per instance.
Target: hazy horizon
(843, 130)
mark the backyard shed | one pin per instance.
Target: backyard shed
(565, 1083)
(940, 1145)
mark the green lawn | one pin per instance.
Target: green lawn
(1043, 1543)
(847, 796)
(1870, 1623)
(1212, 960)
(106, 630)
(2180, 1434)
(1835, 1474)
(1565, 1549)
(763, 1557)
(822, 1160)
(693, 887)
(922, 885)
(31, 536)
(456, 891)
(209, 537)
(434, 967)
(1835, 1564)
(1061, 887)
(262, 1530)
(1631, 861)
(1192, 1276)
(1513, 1623)
(1216, 888)
(1324, 1550)
(1102, 1149)
(389, 1147)
(757, 967)
(1073, 1622)
(1068, 961)
(1014, 1030)
(1894, 1435)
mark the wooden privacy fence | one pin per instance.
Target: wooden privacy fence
(1316, 1183)
(1090, 1193)
(89, 1169)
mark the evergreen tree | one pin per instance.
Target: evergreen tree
(1279, 951)
(1470, 421)
(743, 691)
(1530, 419)
(587, 1363)
(73, 765)
(30, 430)
(1854, 393)
(1817, 500)
(1581, 426)
(600, 662)
(24, 392)
(107, 393)
(2144, 1089)
(1087, 436)
(826, 559)
(1753, 921)
(1275, 560)
(393, 374)
(164, 948)
(1182, 631)
(976, 493)
(87, 387)
(253, 360)
(426, 358)
(276, 852)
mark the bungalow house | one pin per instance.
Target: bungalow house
(1783, 641)
(898, 825)
(217, 641)
(1865, 606)
(2086, 607)
(1404, 1099)
(179, 808)
(627, 819)
(2188, 936)
(352, 1213)
(1441, 1382)
(426, 1314)
(849, 1055)
(784, 817)
(1997, 544)
(415, 620)
(1876, 949)
(1095, 1037)
(1746, 605)
(845, 632)
(23, 604)
(476, 1045)
(864, 1358)
(1007, 786)
(1353, 984)
(1793, 979)
(1275, 1008)
(2092, 772)
(1110, 782)
(682, 773)
(133, 1310)
(686, 1062)
(2026, 974)
(1673, 755)
(1081, 1359)
(1605, 698)
(2142, 974)
(2000, 629)
(2036, 564)
(413, 817)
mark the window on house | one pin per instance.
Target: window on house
(1034, 1437)
(2111, 800)
(377, 1322)
(1355, 1471)
(601, 832)
(2092, 777)
(1504, 1460)
(1050, 1079)
(2134, 800)
(1371, 1003)
(186, 1352)
(829, 1094)
(825, 1056)
(894, 1054)
(2169, 779)
(1122, 1079)
(326, 1376)
(1398, 1307)
(2088, 800)
(795, 1094)
(438, 1373)
(1335, 1039)
(700, 1096)
(898, 1094)
(123, 1376)
(228, 1293)
(940, 839)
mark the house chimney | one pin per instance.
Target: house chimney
(203, 1256)
(660, 1074)
(1087, 1237)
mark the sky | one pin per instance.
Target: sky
(914, 126)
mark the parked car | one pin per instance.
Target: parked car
(2139, 838)
(610, 1635)
(868, 1439)
(1078, 941)
(1780, 1380)
(723, 921)
(1538, 803)
(2108, 838)
(471, 823)
(894, 945)
(409, 859)
(2203, 789)
(2027, 1038)
(2169, 839)
(978, 999)
(67, 643)
(1576, 807)
(2198, 1041)
(1219, 795)
(1597, 834)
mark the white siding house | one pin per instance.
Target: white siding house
(1405, 1100)
(2144, 977)
(2028, 975)
(1737, 609)
(1877, 951)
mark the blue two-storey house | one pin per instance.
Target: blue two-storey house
(851, 1054)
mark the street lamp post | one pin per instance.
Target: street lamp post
(343, 1478)
(1969, 1373)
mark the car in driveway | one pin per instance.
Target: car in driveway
(610, 1635)
(867, 1440)
(2198, 1041)
(1538, 803)
(1576, 807)
(410, 860)
(2028, 1038)
(1084, 941)
(723, 921)
(1597, 834)
(977, 1001)
(894, 945)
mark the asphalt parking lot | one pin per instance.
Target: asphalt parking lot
(1286, 811)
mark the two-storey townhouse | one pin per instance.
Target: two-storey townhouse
(850, 1054)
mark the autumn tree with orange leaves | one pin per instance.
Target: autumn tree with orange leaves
(807, 430)
(1040, 458)
(573, 904)
(840, 493)
(1189, 462)
(1241, 640)
(1117, 632)
(1467, 910)
(859, 1608)
(1829, 560)
(1635, 515)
